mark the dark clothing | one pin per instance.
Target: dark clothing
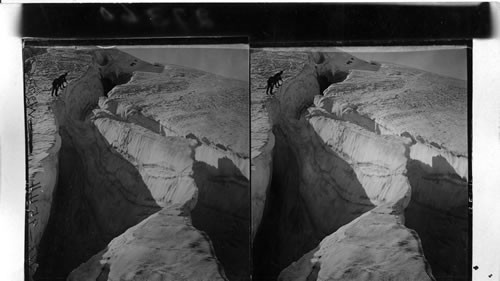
(274, 81)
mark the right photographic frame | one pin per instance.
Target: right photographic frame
(361, 162)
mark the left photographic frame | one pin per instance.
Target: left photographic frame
(137, 159)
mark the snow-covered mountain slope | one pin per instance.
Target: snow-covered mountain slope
(342, 150)
(134, 156)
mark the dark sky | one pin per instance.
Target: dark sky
(448, 62)
(232, 60)
(227, 60)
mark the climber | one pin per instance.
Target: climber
(58, 83)
(274, 81)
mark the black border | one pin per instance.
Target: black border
(134, 41)
(269, 25)
(365, 43)
(469, 146)
(262, 22)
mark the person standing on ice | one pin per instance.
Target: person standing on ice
(273, 81)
